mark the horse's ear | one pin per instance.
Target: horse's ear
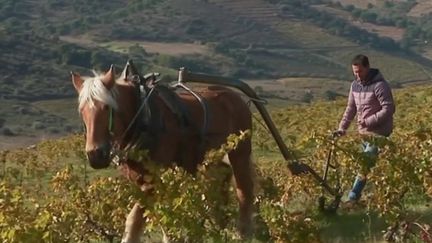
(126, 72)
(129, 70)
(77, 81)
(109, 78)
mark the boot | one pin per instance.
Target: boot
(355, 193)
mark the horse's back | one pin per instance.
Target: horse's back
(226, 110)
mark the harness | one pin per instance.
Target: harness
(144, 128)
(203, 104)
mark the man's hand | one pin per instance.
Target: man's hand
(362, 122)
(339, 133)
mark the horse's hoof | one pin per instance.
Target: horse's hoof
(129, 241)
(245, 231)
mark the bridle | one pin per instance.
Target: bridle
(137, 134)
(111, 121)
(143, 94)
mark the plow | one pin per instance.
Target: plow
(295, 166)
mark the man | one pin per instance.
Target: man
(371, 99)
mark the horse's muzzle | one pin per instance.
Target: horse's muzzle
(99, 158)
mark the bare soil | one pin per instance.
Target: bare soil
(171, 48)
(422, 8)
(15, 142)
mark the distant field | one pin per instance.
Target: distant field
(364, 3)
(314, 84)
(66, 108)
(309, 35)
(293, 90)
(14, 142)
(422, 8)
(173, 49)
(357, 3)
(384, 31)
(80, 40)
(32, 122)
(427, 52)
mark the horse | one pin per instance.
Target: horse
(109, 108)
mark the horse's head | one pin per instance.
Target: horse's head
(99, 104)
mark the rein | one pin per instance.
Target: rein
(117, 154)
(132, 122)
(111, 121)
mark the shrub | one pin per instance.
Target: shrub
(38, 125)
(53, 130)
(7, 131)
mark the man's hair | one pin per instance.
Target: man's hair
(360, 60)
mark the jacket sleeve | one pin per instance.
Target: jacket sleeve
(384, 95)
(350, 112)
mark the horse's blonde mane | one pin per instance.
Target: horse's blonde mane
(94, 89)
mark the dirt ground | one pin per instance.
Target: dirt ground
(423, 7)
(172, 48)
(20, 141)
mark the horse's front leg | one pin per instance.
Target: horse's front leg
(135, 220)
(134, 225)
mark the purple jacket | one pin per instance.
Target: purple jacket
(372, 102)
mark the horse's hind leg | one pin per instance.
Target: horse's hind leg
(241, 163)
(221, 172)
(134, 225)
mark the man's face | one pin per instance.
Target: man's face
(360, 72)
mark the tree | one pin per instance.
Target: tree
(2, 122)
(77, 57)
(331, 95)
(369, 16)
(308, 97)
(388, 4)
(350, 8)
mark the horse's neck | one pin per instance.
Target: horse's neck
(140, 123)
(128, 107)
(128, 99)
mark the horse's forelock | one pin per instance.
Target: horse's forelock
(94, 89)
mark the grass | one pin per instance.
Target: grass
(353, 227)
(360, 226)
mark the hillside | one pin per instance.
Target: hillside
(407, 21)
(300, 41)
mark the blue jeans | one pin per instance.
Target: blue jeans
(370, 152)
